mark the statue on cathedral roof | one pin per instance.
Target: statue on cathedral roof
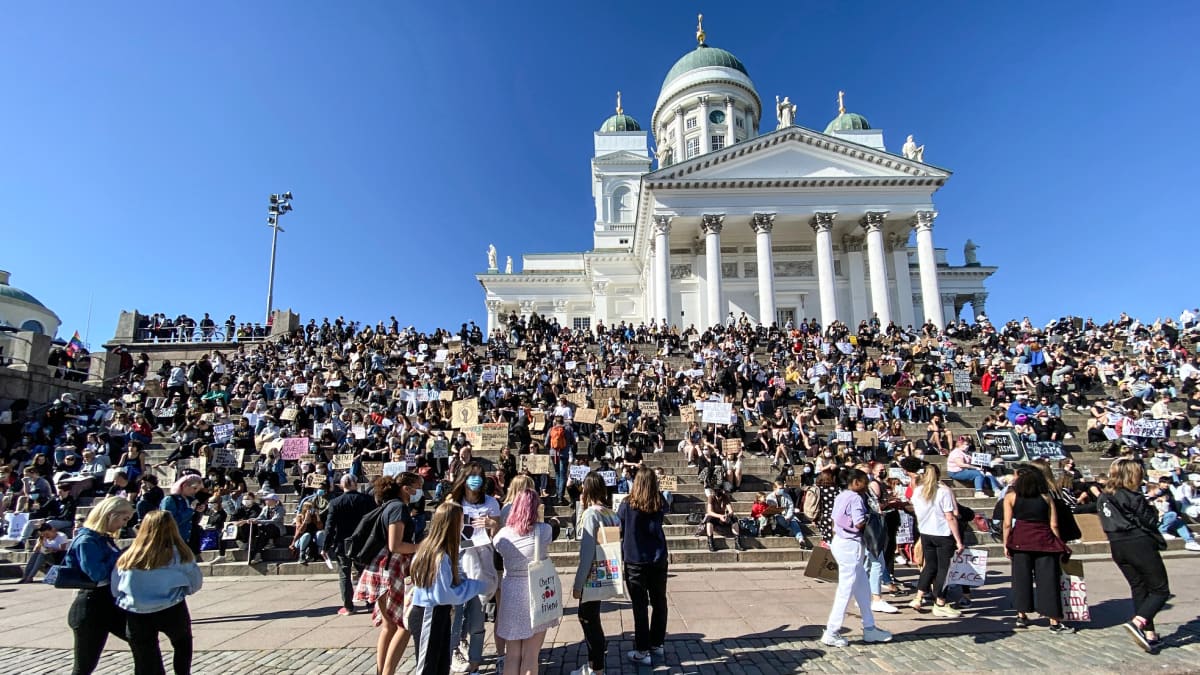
(785, 112)
(491, 254)
(969, 256)
(508, 264)
(913, 151)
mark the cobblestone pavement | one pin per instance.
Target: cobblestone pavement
(738, 622)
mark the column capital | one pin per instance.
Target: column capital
(704, 101)
(762, 223)
(729, 100)
(527, 306)
(678, 111)
(600, 287)
(711, 223)
(662, 224)
(949, 297)
(494, 305)
(873, 221)
(923, 220)
(979, 297)
(852, 243)
(822, 221)
(561, 304)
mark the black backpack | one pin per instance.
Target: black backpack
(369, 538)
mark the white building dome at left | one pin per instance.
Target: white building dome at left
(21, 310)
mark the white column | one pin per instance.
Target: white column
(762, 223)
(493, 316)
(873, 224)
(978, 306)
(680, 153)
(931, 297)
(731, 128)
(705, 140)
(599, 302)
(904, 302)
(662, 269)
(711, 225)
(857, 274)
(822, 225)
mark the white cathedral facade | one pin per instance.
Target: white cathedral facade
(781, 225)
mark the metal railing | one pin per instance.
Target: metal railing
(192, 334)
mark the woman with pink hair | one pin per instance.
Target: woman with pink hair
(521, 538)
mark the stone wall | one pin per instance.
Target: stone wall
(283, 322)
(40, 387)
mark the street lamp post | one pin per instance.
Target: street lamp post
(279, 204)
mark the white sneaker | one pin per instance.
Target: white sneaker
(639, 657)
(459, 665)
(1192, 546)
(874, 634)
(585, 669)
(980, 495)
(884, 607)
(834, 640)
(219, 558)
(1168, 536)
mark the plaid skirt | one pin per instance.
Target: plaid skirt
(382, 583)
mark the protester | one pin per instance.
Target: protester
(179, 502)
(849, 519)
(644, 550)
(1134, 539)
(438, 586)
(345, 512)
(94, 613)
(49, 549)
(521, 542)
(151, 582)
(935, 511)
(1031, 539)
(481, 512)
(595, 514)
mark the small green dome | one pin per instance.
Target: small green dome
(848, 122)
(704, 57)
(620, 122)
(15, 293)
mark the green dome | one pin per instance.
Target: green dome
(620, 122)
(847, 122)
(704, 57)
(15, 293)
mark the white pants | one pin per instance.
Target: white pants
(852, 580)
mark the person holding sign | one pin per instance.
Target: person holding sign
(521, 542)
(849, 519)
(644, 550)
(937, 520)
(959, 467)
(481, 515)
(593, 499)
(1035, 547)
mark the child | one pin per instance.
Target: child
(758, 512)
(151, 581)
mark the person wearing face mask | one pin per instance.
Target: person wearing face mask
(481, 515)
(242, 516)
(382, 583)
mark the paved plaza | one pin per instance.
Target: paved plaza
(742, 621)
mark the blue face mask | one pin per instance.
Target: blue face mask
(320, 493)
(475, 482)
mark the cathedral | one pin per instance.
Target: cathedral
(727, 218)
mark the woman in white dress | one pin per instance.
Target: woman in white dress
(521, 538)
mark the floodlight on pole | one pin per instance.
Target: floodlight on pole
(277, 206)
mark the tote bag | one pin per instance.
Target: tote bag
(545, 589)
(604, 580)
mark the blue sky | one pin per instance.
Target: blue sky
(139, 141)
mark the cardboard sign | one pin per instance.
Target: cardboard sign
(1145, 428)
(1049, 450)
(1089, 526)
(870, 383)
(871, 413)
(668, 483)
(687, 413)
(888, 368)
(341, 462)
(359, 431)
(608, 427)
(208, 417)
(229, 533)
(610, 478)
(866, 439)
(822, 566)
(228, 458)
(222, 433)
(294, 447)
(1073, 591)
(577, 399)
(579, 471)
(535, 464)
(716, 412)
(494, 436)
(316, 480)
(441, 448)
(586, 415)
(731, 446)
(601, 395)
(446, 396)
(166, 474)
(539, 421)
(844, 436)
(464, 413)
(962, 381)
(968, 568)
(289, 414)
(372, 469)
(650, 408)
(982, 459)
(300, 388)
(394, 468)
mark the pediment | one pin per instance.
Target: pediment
(622, 157)
(797, 154)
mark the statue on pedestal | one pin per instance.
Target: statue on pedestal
(913, 151)
(508, 264)
(491, 254)
(969, 256)
(785, 112)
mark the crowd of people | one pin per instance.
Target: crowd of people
(836, 409)
(158, 327)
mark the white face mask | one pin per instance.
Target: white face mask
(416, 496)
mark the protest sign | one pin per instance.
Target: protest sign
(871, 413)
(372, 469)
(539, 421)
(601, 395)
(228, 458)
(394, 468)
(316, 480)
(1073, 592)
(341, 462)
(586, 415)
(165, 474)
(866, 439)
(668, 483)
(289, 414)
(844, 436)
(870, 383)
(579, 471)
(716, 412)
(196, 464)
(300, 388)
(1048, 450)
(731, 446)
(687, 413)
(962, 381)
(446, 395)
(981, 459)
(441, 448)
(650, 408)
(494, 436)
(464, 413)
(208, 417)
(294, 447)
(610, 477)
(1002, 443)
(822, 565)
(222, 433)
(535, 464)
(1145, 428)
(968, 568)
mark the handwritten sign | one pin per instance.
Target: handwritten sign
(870, 383)
(464, 413)
(341, 462)
(394, 468)
(716, 412)
(316, 480)
(1145, 428)
(300, 388)
(687, 413)
(289, 414)
(586, 416)
(871, 413)
(196, 464)
(968, 568)
(610, 477)
(577, 399)
(648, 408)
(1048, 450)
(962, 381)
(294, 447)
(731, 446)
(494, 436)
(579, 471)
(601, 395)
(539, 421)
(1073, 591)
(223, 433)
(983, 459)
(844, 436)
(866, 439)
(359, 431)
(372, 469)
(1003, 443)
(668, 483)
(535, 464)
(228, 458)
(441, 448)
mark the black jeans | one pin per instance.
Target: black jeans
(176, 623)
(1045, 569)
(593, 633)
(938, 551)
(92, 616)
(348, 573)
(1139, 560)
(647, 584)
(430, 628)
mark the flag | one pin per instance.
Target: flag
(75, 345)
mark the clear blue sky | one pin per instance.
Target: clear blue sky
(139, 141)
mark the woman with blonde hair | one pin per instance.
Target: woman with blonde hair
(438, 585)
(94, 612)
(521, 542)
(937, 520)
(152, 580)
